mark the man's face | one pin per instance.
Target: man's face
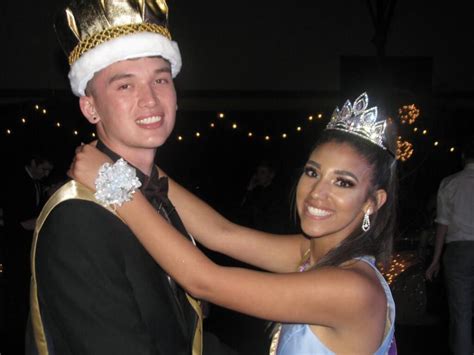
(133, 103)
(40, 170)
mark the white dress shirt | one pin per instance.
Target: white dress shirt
(455, 205)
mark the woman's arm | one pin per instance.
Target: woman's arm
(314, 297)
(278, 253)
(270, 252)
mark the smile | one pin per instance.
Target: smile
(316, 212)
(149, 120)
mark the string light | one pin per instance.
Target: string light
(408, 114)
(398, 265)
(404, 150)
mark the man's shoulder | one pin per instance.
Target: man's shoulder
(73, 195)
(450, 179)
(75, 208)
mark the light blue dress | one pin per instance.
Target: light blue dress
(298, 339)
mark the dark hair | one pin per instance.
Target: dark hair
(378, 240)
(37, 158)
(468, 149)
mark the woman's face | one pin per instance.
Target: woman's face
(332, 193)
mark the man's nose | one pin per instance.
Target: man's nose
(148, 97)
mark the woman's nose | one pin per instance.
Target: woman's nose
(319, 189)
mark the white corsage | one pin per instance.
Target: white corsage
(116, 183)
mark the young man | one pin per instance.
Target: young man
(24, 197)
(455, 234)
(95, 290)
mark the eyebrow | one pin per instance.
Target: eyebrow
(120, 76)
(346, 173)
(338, 172)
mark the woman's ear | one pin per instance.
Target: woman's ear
(380, 199)
(86, 103)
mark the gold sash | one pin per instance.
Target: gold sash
(75, 190)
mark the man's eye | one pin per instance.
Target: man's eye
(161, 81)
(124, 87)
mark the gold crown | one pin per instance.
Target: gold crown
(357, 119)
(85, 24)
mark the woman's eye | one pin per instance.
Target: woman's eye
(344, 183)
(310, 171)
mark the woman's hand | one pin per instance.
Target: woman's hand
(86, 164)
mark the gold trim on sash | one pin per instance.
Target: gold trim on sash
(75, 190)
(70, 190)
(197, 340)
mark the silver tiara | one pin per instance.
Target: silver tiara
(357, 119)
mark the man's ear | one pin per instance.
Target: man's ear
(87, 105)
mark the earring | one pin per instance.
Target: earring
(366, 222)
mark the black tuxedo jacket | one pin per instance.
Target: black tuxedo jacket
(100, 292)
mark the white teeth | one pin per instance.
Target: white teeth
(149, 120)
(317, 212)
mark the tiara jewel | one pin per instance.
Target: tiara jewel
(357, 119)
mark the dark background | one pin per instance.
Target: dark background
(269, 66)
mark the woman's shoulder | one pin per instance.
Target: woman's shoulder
(355, 282)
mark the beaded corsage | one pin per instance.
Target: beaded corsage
(116, 183)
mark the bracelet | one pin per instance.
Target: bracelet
(116, 183)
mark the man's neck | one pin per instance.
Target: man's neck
(142, 159)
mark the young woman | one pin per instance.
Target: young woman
(322, 286)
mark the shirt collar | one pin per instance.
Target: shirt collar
(469, 166)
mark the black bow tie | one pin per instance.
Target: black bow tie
(156, 188)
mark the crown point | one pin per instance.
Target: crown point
(358, 120)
